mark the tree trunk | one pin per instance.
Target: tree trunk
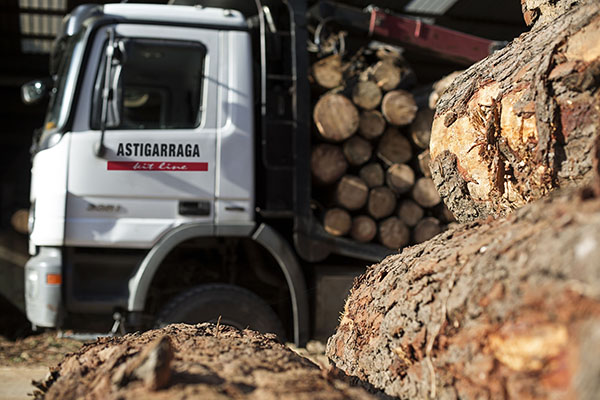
(410, 212)
(522, 122)
(357, 151)
(381, 203)
(372, 174)
(393, 147)
(371, 124)
(393, 233)
(364, 229)
(182, 361)
(399, 107)
(400, 178)
(336, 117)
(540, 12)
(366, 95)
(351, 192)
(327, 164)
(337, 222)
(327, 72)
(508, 308)
(425, 193)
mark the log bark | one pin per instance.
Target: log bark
(364, 229)
(540, 12)
(371, 124)
(410, 212)
(351, 192)
(366, 95)
(393, 147)
(337, 222)
(381, 203)
(503, 309)
(327, 72)
(336, 117)
(425, 193)
(440, 87)
(522, 122)
(182, 361)
(372, 174)
(420, 129)
(426, 229)
(327, 163)
(393, 233)
(399, 107)
(400, 178)
(357, 151)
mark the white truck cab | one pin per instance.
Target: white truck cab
(163, 185)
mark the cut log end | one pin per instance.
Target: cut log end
(364, 229)
(394, 148)
(400, 178)
(420, 129)
(366, 95)
(371, 124)
(425, 193)
(381, 203)
(328, 72)
(426, 229)
(337, 222)
(336, 117)
(357, 151)
(393, 233)
(351, 192)
(410, 212)
(372, 174)
(399, 107)
(327, 164)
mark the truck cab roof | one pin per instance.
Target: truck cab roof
(177, 14)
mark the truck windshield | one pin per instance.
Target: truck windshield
(64, 82)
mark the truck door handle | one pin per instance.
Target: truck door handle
(201, 208)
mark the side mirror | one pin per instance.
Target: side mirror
(34, 91)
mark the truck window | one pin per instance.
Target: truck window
(156, 84)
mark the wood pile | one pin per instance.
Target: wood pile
(369, 162)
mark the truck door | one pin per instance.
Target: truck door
(154, 91)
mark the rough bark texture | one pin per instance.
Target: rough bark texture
(540, 12)
(197, 361)
(523, 121)
(508, 308)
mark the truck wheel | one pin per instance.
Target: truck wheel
(236, 306)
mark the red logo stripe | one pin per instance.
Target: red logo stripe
(156, 166)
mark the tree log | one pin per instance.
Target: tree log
(337, 222)
(182, 361)
(410, 212)
(327, 164)
(522, 122)
(366, 95)
(393, 233)
(371, 124)
(440, 87)
(400, 178)
(420, 129)
(426, 229)
(336, 117)
(381, 203)
(387, 74)
(508, 308)
(364, 229)
(393, 147)
(357, 151)
(540, 12)
(351, 192)
(425, 193)
(399, 107)
(372, 174)
(327, 72)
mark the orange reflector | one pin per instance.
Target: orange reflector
(53, 279)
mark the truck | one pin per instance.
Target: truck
(171, 180)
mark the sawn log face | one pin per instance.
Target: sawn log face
(503, 309)
(521, 122)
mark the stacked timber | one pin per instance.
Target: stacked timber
(370, 157)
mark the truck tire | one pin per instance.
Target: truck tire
(236, 306)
